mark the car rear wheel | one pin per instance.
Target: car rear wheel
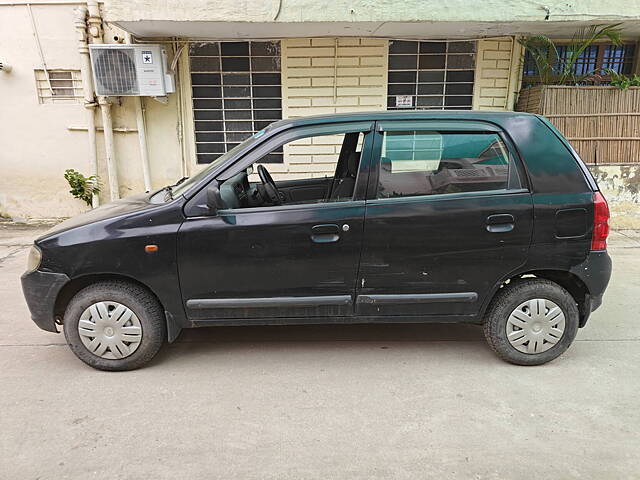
(114, 325)
(531, 321)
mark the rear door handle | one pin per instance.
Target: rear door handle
(325, 233)
(500, 223)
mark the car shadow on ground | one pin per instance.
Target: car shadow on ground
(200, 341)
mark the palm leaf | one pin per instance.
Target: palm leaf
(583, 39)
(544, 52)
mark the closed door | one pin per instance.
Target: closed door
(297, 259)
(447, 217)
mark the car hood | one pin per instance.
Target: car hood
(114, 209)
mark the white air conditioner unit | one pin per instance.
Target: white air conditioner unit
(137, 70)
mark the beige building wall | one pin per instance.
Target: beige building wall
(319, 76)
(40, 141)
(498, 70)
(324, 76)
(36, 144)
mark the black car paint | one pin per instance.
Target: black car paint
(270, 252)
(108, 246)
(264, 266)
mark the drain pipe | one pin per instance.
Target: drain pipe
(80, 23)
(142, 139)
(142, 135)
(112, 167)
(95, 33)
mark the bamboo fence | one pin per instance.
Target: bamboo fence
(602, 123)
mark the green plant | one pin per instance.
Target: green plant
(553, 70)
(82, 187)
(621, 81)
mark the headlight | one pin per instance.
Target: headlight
(35, 256)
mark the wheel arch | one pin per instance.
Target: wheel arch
(76, 284)
(72, 287)
(567, 280)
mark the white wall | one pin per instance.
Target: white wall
(36, 144)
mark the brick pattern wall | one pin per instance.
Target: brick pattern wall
(497, 74)
(318, 80)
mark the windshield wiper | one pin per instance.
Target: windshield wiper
(179, 181)
(168, 193)
(168, 190)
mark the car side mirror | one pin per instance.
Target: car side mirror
(214, 199)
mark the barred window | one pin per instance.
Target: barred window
(594, 60)
(431, 75)
(236, 89)
(59, 86)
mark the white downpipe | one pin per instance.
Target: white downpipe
(142, 135)
(142, 139)
(112, 167)
(95, 33)
(87, 88)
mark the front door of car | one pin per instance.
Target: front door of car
(448, 217)
(291, 261)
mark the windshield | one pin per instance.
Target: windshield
(193, 180)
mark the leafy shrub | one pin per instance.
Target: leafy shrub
(82, 187)
(622, 81)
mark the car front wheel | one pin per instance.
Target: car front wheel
(531, 321)
(114, 325)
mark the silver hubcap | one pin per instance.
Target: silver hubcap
(110, 330)
(535, 326)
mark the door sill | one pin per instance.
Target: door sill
(357, 319)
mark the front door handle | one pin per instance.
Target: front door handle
(325, 233)
(500, 223)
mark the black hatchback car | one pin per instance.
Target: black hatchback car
(486, 218)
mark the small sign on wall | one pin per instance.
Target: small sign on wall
(404, 101)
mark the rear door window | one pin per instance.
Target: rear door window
(416, 163)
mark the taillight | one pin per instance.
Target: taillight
(600, 222)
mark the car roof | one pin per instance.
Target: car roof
(477, 115)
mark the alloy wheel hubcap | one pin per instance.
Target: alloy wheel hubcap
(535, 326)
(110, 330)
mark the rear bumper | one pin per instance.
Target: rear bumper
(595, 272)
(40, 291)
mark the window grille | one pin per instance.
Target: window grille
(66, 86)
(236, 90)
(594, 60)
(431, 75)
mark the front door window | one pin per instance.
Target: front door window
(322, 169)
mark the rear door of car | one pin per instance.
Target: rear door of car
(448, 216)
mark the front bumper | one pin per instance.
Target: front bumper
(41, 290)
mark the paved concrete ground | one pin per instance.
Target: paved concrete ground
(344, 402)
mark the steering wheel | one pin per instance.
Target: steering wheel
(270, 187)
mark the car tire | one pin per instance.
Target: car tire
(114, 325)
(519, 325)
